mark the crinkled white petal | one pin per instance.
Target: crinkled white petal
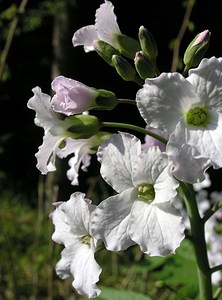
(202, 185)
(45, 116)
(106, 23)
(79, 262)
(207, 80)
(74, 163)
(85, 36)
(207, 141)
(187, 166)
(62, 233)
(71, 218)
(110, 220)
(152, 167)
(163, 100)
(117, 156)
(46, 155)
(158, 229)
(82, 150)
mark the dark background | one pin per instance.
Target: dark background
(32, 55)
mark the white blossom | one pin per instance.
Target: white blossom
(72, 229)
(142, 211)
(191, 110)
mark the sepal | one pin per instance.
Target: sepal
(82, 126)
(127, 46)
(105, 50)
(105, 100)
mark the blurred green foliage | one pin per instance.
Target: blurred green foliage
(28, 258)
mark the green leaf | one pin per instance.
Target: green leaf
(113, 294)
(180, 273)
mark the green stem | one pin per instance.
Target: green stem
(186, 68)
(139, 81)
(135, 128)
(217, 293)
(215, 269)
(212, 210)
(198, 240)
(127, 101)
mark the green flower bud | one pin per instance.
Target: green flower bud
(144, 65)
(124, 68)
(127, 46)
(147, 43)
(82, 126)
(105, 100)
(196, 49)
(105, 50)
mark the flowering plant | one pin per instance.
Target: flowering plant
(158, 200)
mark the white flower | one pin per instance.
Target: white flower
(106, 28)
(55, 132)
(72, 229)
(190, 109)
(142, 211)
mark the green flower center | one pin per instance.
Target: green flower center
(197, 116)
(146, 192)
(85, 240)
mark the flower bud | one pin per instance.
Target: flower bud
(124, 68)
(147, 43)
(73, 97)
(127, 46)
(105, 50)
(196, 49)
(82, 126)
(144, 65)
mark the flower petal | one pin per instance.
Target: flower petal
(82, 150)
(158, 229)
(45, 116)
(110, 221)
(185, 166)
(162, 100)
(207, 141)
(78, 260)
(85, 36)
(46, 155)
(207, 80)
(106, 23)
(152, 167)
(71, 218)
(117, 156)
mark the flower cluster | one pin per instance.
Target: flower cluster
(183, 139)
